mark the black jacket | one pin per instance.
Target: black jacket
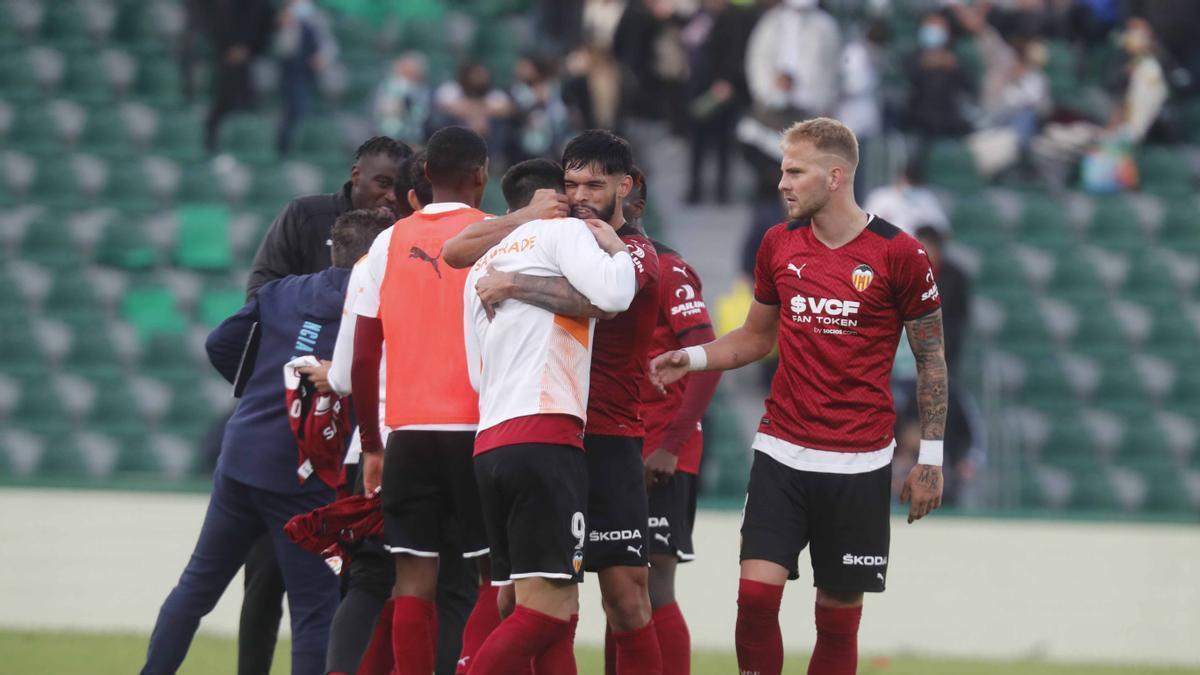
(298, 240)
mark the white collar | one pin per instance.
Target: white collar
(443, 207)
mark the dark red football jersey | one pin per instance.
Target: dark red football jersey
(841, 313)
(620, 355)
(681, 309)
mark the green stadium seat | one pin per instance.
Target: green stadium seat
(180, 136)
(22, 351)
(950, 165)
(152, 310)
(977, 222)
(1180, 231)
(61, 454)
(35, 131)
(17, 79)
(1043, 224)
(217, 304)
(48, 242)
(203, 242)
(1166, 491)
(1120, 387)
(320, 141)
(73, 293)
(40, 407)
(87, 80)
(1115, 225)
(1173, 333)
(251, 138)
(1097, 326)
(125, 244)
(1074, 275)
(1165, 171)
(1062, 70)
(158, 82)
(1044, 383)
(198, 185)
(1147, 278)
(92, 352)
(1093, 489)
(190, 413)
(167, 358)
(107, 134)
(1023, 324)
(1068, 443)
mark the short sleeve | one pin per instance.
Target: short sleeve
(916, 291)
(366, 293)
(645, 260)
(680, 297)
(764, 272)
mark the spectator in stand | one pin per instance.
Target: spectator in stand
(1060, 146)
(240, 31)
(305, 46)
(541, 122)
(1175, 24)
(860, 106)
(907, 203)
(938, 84)
(1015, 92)
(716, 39)
(404, 101)
(789, 57)
(472, 101)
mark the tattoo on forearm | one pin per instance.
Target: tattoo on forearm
(553, 294)
(928, 347)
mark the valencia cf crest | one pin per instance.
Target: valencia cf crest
(577, 561)
(862, 276)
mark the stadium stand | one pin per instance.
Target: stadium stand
(123, 243)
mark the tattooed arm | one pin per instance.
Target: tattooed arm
(924, 484)
(553, 294)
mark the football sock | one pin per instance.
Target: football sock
(674, 641)
(638, 652)
(759, 641)
(836, 652)
(483, 620)
(378, 658)
(559, 658)
(517, 641)
(413, 635)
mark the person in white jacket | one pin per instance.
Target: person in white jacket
(531, 368)
(791, 59)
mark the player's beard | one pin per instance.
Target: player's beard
(585, 212)
(804, 209)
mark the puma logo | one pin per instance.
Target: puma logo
(798, 270)
(636, 550)
(664, 538)
(681, 270)
(416, 252)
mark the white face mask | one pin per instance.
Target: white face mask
(801, 4)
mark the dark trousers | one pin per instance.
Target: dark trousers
(715, 135)
(262, 609)
(297, 96)
(234, 93)
(237, 517)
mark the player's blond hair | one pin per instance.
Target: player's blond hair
(827, 135)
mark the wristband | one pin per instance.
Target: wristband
(931, 452)
(697, 357)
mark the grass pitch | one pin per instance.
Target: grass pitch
(121, 654)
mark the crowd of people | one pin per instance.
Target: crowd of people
(446, 420)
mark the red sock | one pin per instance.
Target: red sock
(559, 658)
(638, 652)
(517, 641)
(836, 652)
(759, 642)
(674, 641)
(610, 651)
(413, 635)
(483, 620)
(378, 659)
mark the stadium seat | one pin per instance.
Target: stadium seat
(203, 241)
(1115, 225)
(251, 138)
(1179, 230)
(22, 353)
(158, 83)
(1173, 333)
(190, 413)
(1165, 170)
(1148, 277)
(87, 80)
(180, 137)
(48, 242)
(40, 407)
(1043, 224)
(1166, 488)
(217, 304)
(950, 165)
(152, 310)
(167, 358)
(107, 134)
(1093, 489)
(92, 353)
(125, 244)
(977, 222)
(321, 142)
(1074, 274)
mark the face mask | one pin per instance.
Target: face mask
(932, 36)
(302, 10)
